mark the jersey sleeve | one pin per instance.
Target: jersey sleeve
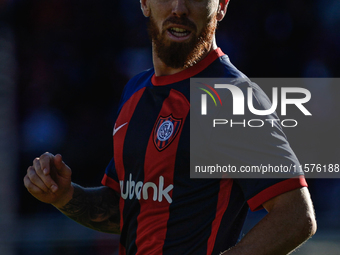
(259, 146)
(258, 191)
(110, 178)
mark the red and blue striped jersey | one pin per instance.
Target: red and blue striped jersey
(163, 210)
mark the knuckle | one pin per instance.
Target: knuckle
(45, 158)
(29, 168)
(45, 155)
(26, 181)
(36, 160)
(30, 172)
(33, 179)
(29, 186)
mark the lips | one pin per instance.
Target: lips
(179, 27)
(179, 32)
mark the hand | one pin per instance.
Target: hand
(49, 180)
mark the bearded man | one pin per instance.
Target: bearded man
(148, 196)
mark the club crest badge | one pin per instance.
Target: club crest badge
(165, 131)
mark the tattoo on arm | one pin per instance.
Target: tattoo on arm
(96, 208)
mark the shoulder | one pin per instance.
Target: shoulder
(138, 82)
(229, 69)
(135, 84)
(222, 67)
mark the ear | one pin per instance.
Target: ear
(222, 9)
(145, 7)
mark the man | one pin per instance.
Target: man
(148, 196)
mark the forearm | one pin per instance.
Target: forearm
(288, 224)
(96, 208)
(271, 236)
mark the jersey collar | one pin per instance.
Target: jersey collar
(189, 72)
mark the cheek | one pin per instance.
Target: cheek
(204, 12)
(158, 17)
(156, 22)
(211, 8)
(202, 23)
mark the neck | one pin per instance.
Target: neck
(162, 69)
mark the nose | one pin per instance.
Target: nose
(179, 8)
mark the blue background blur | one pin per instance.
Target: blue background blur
(64, 63)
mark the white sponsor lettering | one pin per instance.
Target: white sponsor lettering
(141, 190)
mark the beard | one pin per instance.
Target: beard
(181, 54)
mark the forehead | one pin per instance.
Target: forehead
(193, 2)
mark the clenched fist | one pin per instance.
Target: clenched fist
(49, 180)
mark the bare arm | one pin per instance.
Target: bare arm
(290, 221)
(49, 180)
(96, 208)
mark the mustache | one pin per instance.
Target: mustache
(180, 21)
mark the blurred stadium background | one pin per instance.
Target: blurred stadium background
(63, 64)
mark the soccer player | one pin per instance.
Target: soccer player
(148, 197)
